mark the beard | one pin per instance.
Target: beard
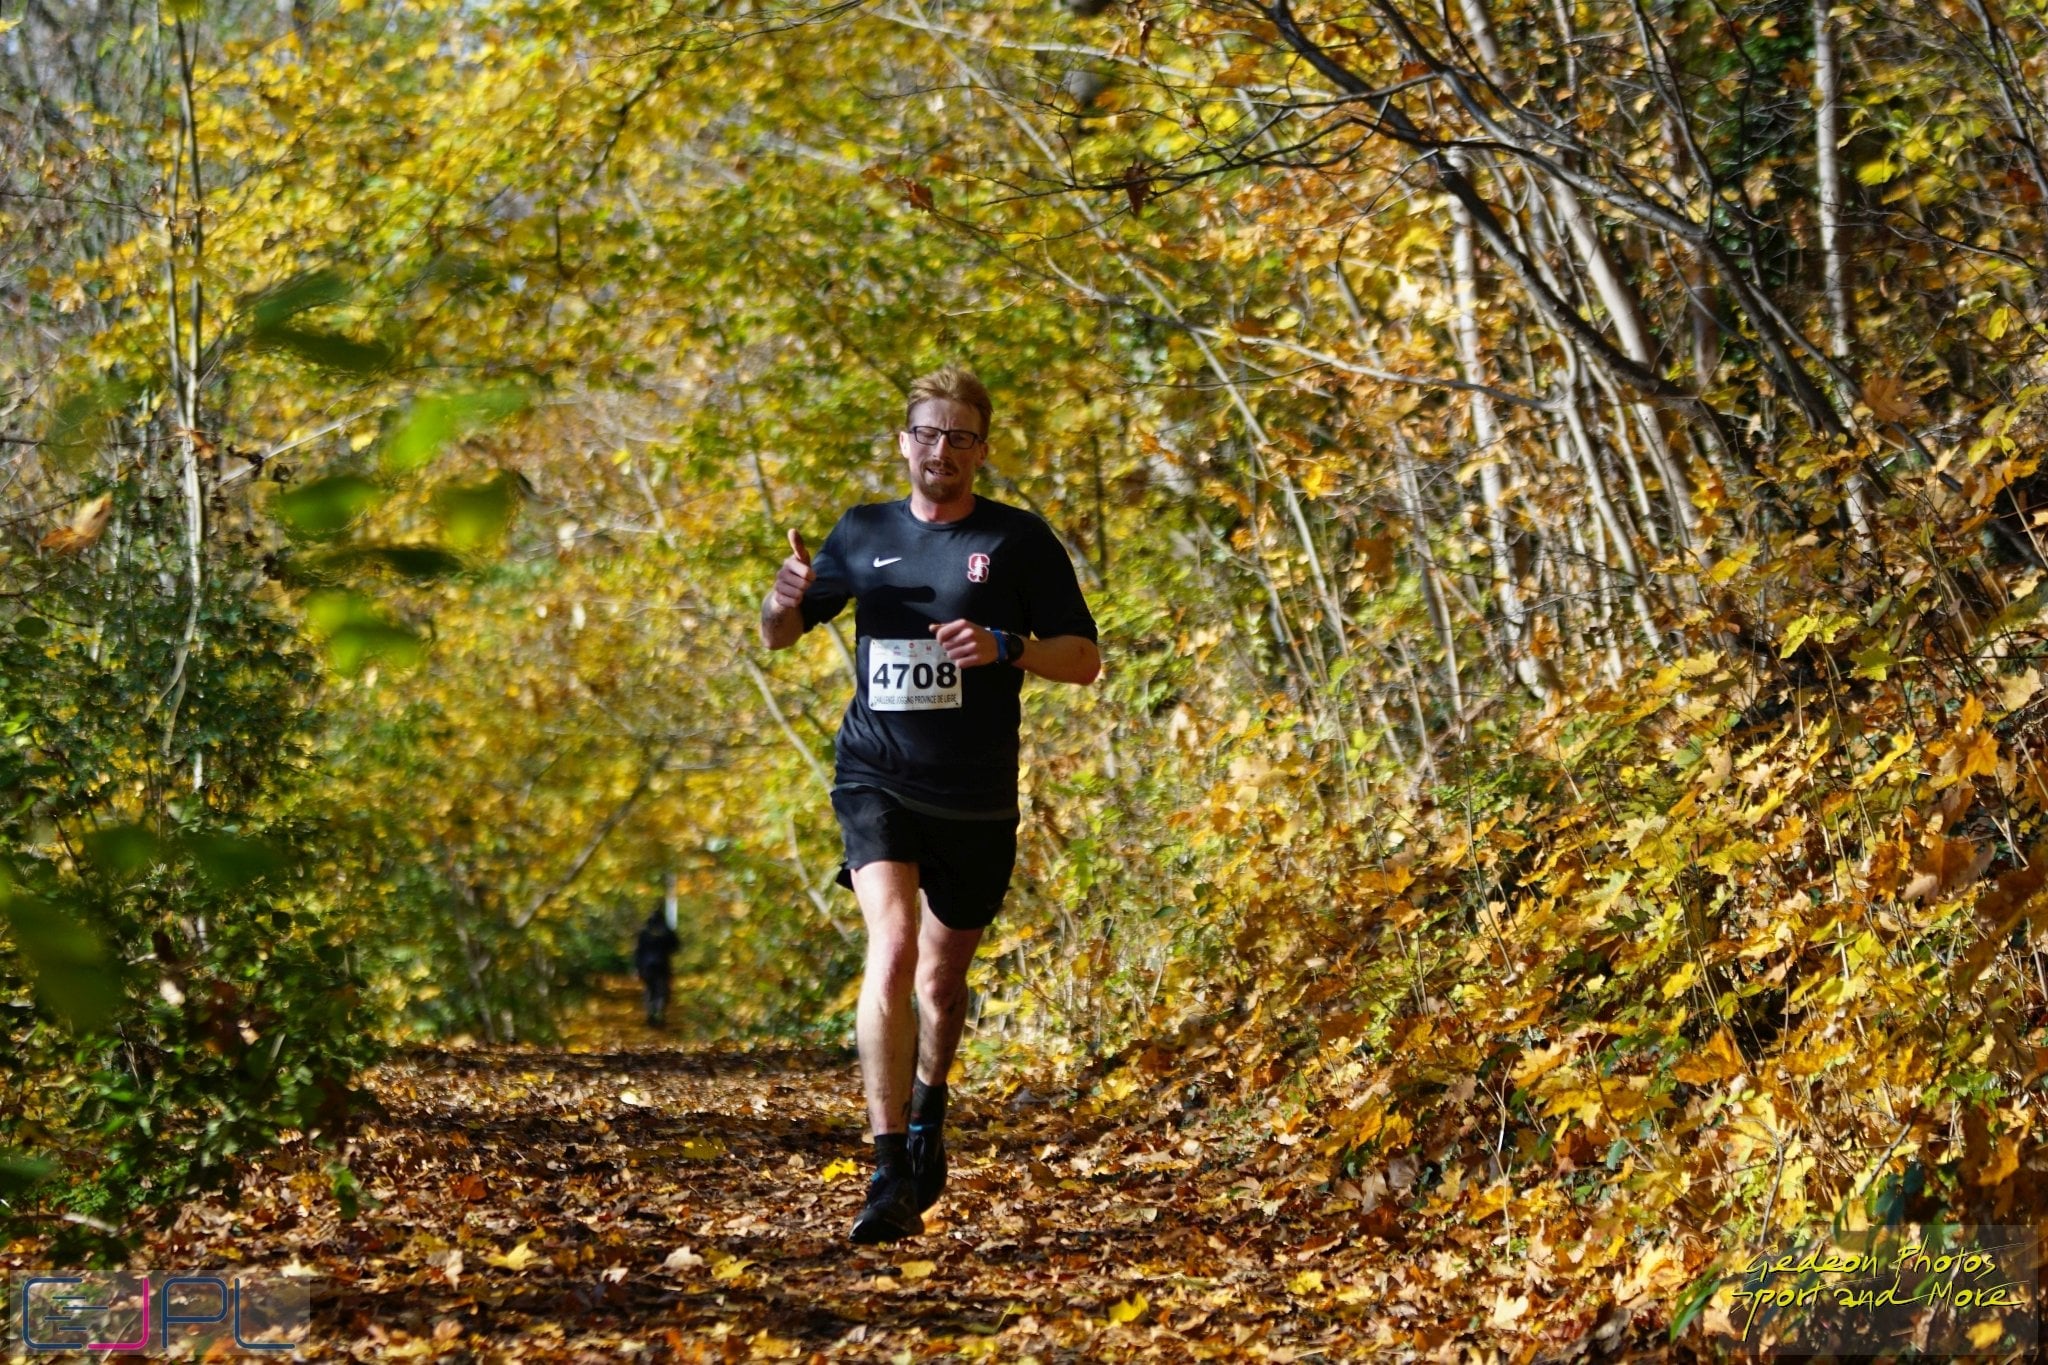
(940, 480)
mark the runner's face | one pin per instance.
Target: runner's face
(939, 472)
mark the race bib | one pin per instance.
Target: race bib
(911, 675)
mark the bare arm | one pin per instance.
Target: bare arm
(1062, 658)
(1059, 658)
(781, 626)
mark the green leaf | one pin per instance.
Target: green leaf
(421, 563)
(66, 958)
(332, 350)
(232, 861)
(82, 421)
(122, 850)
(20, 1172)
(326, 507)
(352, 648)
(1696, 1296)
(32, 628)
(273, 325)
(280, 303)
(332, 610)
(348, 1192)
(459, 270)
(436, 419)
(474, 515)
(356, 630)
(1878, 660)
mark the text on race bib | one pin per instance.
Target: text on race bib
(911, 675)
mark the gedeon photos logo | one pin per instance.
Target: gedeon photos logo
(159, 1314)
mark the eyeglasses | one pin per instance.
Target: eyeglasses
(956, 437)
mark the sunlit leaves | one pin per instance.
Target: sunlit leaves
(1129, 1310)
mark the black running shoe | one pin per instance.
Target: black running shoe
(892, 1211)
(926, 1148)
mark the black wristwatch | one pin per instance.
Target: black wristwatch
(1009, 646)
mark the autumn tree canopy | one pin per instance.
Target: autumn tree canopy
(1559, 485)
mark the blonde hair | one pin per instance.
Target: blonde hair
(956, 382)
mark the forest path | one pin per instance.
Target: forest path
(628, 1197)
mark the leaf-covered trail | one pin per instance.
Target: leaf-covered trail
(628, 1197)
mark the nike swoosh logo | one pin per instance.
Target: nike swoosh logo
(885, 563)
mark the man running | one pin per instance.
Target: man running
(652, 949)
(958, 597)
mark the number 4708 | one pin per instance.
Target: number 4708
(920, 675)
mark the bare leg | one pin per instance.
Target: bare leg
(942, 958)
(887, 1032)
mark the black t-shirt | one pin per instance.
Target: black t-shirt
(945, 737)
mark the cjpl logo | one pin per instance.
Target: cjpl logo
(161, 1313)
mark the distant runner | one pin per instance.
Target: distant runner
(958, 597)
(652, 949)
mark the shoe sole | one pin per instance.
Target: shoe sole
(873, 1231)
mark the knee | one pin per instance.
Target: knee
(941, 992)
(892, 965)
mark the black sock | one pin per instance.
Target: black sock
(927, 1105)
(889, 1153)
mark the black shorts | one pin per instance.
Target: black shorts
(962, 865)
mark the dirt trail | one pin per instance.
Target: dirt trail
(626, 1197)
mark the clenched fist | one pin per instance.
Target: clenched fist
(965, 643)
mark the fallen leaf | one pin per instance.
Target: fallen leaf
(518, 1258)
(1129, 1310)
(87, 524)
(682, 1258)
(702, 1148)
(835, 1169)
(1944, 865)
(917, 1270)
(1888, 398)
